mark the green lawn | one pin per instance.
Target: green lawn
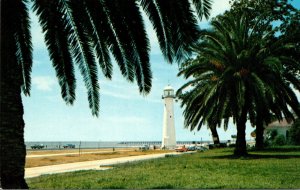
(211, 169)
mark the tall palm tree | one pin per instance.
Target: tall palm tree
(237, 74)
(285, 48)
(83, 33)
(191, 100)
(261, 15)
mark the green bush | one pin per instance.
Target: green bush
(294, 133)
(279, 140)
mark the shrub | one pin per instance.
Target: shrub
(294, 133)
(279, 140)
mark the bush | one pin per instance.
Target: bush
(275, 139)
(279, 140)
(294, 133)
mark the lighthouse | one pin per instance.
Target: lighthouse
(168, 138)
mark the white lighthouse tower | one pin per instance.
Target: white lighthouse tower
(168, 138)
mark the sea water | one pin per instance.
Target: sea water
(101, 144)
(81, 144)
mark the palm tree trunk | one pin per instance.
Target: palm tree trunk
(215, 135)
(13, 149)
(240, 146)
(259, 140)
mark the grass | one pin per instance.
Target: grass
(63, 159)
(212, 169)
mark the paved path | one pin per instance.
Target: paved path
(88, 165)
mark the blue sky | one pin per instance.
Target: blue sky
(125, 115)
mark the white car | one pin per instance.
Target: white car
(144, 147)
(201, 148)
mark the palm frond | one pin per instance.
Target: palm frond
(184, 28)
(203, 8)
(118, 25)
(176, 32)
(139, 43)
(23, 43)
(160, 23)
(82, 49)
(101, 33)
(54, 25)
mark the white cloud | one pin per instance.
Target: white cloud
(129, 95)
(44, 83)
(36, 62)
(119, 88)
(219, 7)
(128, 121)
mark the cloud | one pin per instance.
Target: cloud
(128, 121)
(37, 62)
(43, 83)
(219, 7)
(129, 95)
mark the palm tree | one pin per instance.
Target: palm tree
(83, 33)
(215, 135)
(191, 100)
(237, 74)
(281, 47)
(261, 14)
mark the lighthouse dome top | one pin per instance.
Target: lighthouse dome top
(168, 88)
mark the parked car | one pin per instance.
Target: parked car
(144, 147)
(37, 146)
(201, 148)
(181, 149)
(191, 148)
(69, 146)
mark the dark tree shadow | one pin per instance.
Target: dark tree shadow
(116, 187)
(267, 153)
(254, 156)
(280, 149)
(169, 186)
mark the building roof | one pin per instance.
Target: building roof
(168, 88)
(284, 123)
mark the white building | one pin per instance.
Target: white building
(282, 127)
(168, 138)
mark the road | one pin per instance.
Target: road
(88, 165)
